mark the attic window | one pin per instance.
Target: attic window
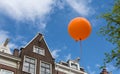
(38, 50)
(74, 66)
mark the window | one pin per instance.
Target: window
(74, 66)
(3, 71)
(39, 50)
(29, 65)
(45, 68)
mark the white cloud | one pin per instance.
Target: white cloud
(12, 45)
(98, 65)
(3, 36)
(20, 39)
(81, 6)
(60, 4)
(55, 53)
(42, 26)
(38, 11)
(68, 57)
(64, 47)
(96, 22)
(110, 67)
(28, 10)
(90, 71)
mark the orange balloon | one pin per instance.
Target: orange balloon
(79, 28)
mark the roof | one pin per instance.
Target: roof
(9, 56)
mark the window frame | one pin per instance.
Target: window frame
(74, 66)
(35, 63)
(39, 50)
(45, 67)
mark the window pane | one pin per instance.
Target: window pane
(26, 64)
(43, 52)
(43, 69)
(38, 50)
(35, 49)
(43, 64)
(6, 72)
(42, 72)
(74, 66)
(47, 73)
(48, 70)
(47, 66)
(32, 61)
(26, 69)
(27, 59)
(32, 71)
(32, 66)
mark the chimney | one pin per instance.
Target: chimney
(6, 42)
(16, 52)
(104, 71)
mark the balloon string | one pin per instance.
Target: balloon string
(80, 49)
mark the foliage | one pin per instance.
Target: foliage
(112, 33)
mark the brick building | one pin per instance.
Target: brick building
(34, 58)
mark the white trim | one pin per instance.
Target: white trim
(66, 69)
(32, 40)
(9, 64)
(6, 70)
(5, 55)
(48, 47)
(75, 63)
(23, 62)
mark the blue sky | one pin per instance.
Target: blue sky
(21, 20)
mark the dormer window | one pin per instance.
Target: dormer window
(74, 66)
(38, 50)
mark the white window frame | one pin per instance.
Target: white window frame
(40, 50)
(71, 62)
(74, 66)
(24, 63)
(1, 70)
(46, 63)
